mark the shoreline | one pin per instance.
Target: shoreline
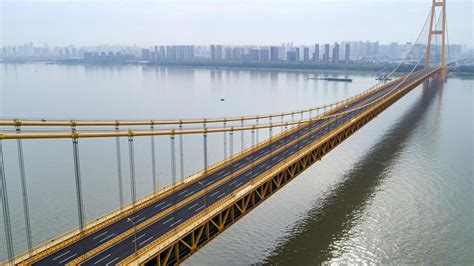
(278, 67)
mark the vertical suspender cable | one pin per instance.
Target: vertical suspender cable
(131, 155)
(6, 208)
(181, 153)
(153, 159)
(252, 137)
(285, 143)
(24, 190)
(256, 132)
(231, 142)
(225, 141)
(282, 123)
(119, 167)
(205, 149)
(173, 158)
(270, 134)
(242, 146)
(77, 173)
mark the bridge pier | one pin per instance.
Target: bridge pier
(441, 76)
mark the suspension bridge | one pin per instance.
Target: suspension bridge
(175, 221)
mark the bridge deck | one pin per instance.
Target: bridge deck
(114, 242)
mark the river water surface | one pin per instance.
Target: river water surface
(400, 190)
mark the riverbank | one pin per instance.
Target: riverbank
(463, 71)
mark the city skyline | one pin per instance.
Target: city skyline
(239, 22)
(329, 52)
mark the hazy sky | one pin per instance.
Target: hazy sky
(147, 22)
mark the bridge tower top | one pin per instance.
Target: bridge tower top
(433, 30)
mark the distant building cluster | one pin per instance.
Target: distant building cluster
(334, 53)
(169, 53)
(109, 57)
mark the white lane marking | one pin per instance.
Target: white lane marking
(139, 220)
(140, 236)
(231, 183)
(238, 185)
(173, 224)
(217, 191)
(274, 159)
(107, 237)
(190, 193)
(134, 216)
(268, 166)
(159, 204)
(100, 235)
(110, 262)
(167, 221)
(166, 206)
(62, 255)
(247, 174)
(221, 195)
(102, 259)
(182, 192)
(198, 209)
(146, 240)
(194, 205)
(212, 181)
(68, 258)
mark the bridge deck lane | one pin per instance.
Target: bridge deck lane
(124, 248)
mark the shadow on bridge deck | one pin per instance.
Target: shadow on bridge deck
(311, 241)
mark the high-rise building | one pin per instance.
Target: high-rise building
(216, 52)
(316, 53)
(297, 54)
(228, 54)
(394, 50)
(264, 55)
(326, 53)
(306, 54)
(274, 53)
(237, 53)
(335, 53)
(375, 50)
(254, 55)
(291, 56)
(219, 52)
(347, 53)
(145, 54)
(155, 54)
(162, 52)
